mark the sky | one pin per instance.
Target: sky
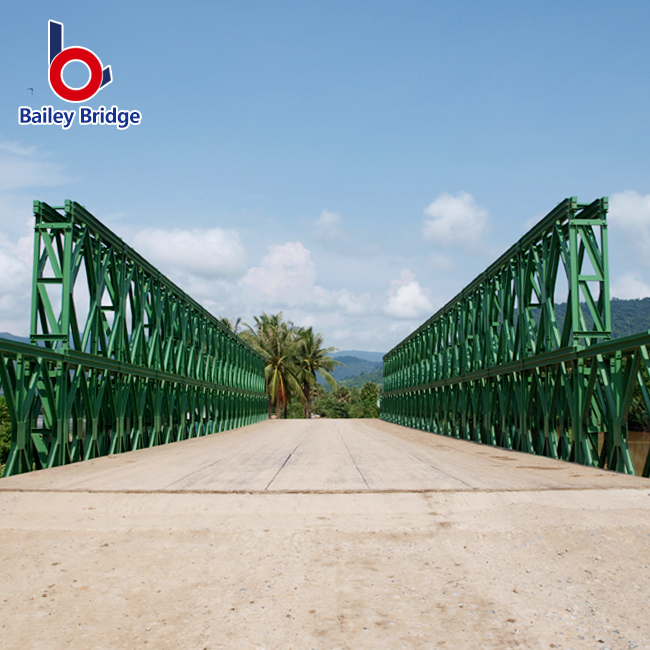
(351, 164)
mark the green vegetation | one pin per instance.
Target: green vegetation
(628, 316)
(375, 377)
(638, 419)
(293, 356)
(297, 366)
(5, 433)
(354, 366)
(313, 359)
(344, 402)
(233, 325)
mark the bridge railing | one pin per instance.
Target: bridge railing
(121, 357)
(502, 363)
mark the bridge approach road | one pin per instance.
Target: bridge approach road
(324, 534)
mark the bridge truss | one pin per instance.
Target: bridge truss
(506, 363)
(120, 357)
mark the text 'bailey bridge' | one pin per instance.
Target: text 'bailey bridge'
(504, 364)
(120, 358)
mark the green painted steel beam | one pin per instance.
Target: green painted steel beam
(120, 358)
(496, 365)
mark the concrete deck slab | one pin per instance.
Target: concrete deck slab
(320, 456)
(324, 534)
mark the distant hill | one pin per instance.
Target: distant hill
(12, 337)
(354, 366)
(360, 354)
(359, 368)
(376, 376)
(628, 316)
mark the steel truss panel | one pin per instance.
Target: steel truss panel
(498, 365)
(121, 358)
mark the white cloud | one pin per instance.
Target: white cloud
(326, 227)
(629, 286)
(343, 301)
(407, 300)
(441, 262)
(629, 211)
(16, 213)
(533, 221)
(15, 289)
(21, 170)
(211, 253)
(353, 305)
(27, 167)
(286, 279)
(455, 220)
(287, 274)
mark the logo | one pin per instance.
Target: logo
(59, 57)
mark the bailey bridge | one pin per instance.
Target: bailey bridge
(454, 521)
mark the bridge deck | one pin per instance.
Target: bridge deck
(324, 534)
(321, 456)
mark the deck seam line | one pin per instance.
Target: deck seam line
(286, 460)
(354, 460)
(186, 476)
(330, 492)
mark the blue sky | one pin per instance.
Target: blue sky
(353, 164)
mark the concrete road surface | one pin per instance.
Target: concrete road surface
(324, 534)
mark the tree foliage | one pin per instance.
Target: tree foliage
(344, 402)
(233, 325)
(5, 433)
(374, 377)
(628, 316)
(314, 360)
(293, 356)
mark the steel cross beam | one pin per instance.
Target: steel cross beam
(121, 358)
(502, 364)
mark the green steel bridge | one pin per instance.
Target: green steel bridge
(121, 358)
(498, 364)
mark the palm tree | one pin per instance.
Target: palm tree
(276, 341)
(232, 325)
(314, 359)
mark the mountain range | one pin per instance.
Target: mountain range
(12, 337)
